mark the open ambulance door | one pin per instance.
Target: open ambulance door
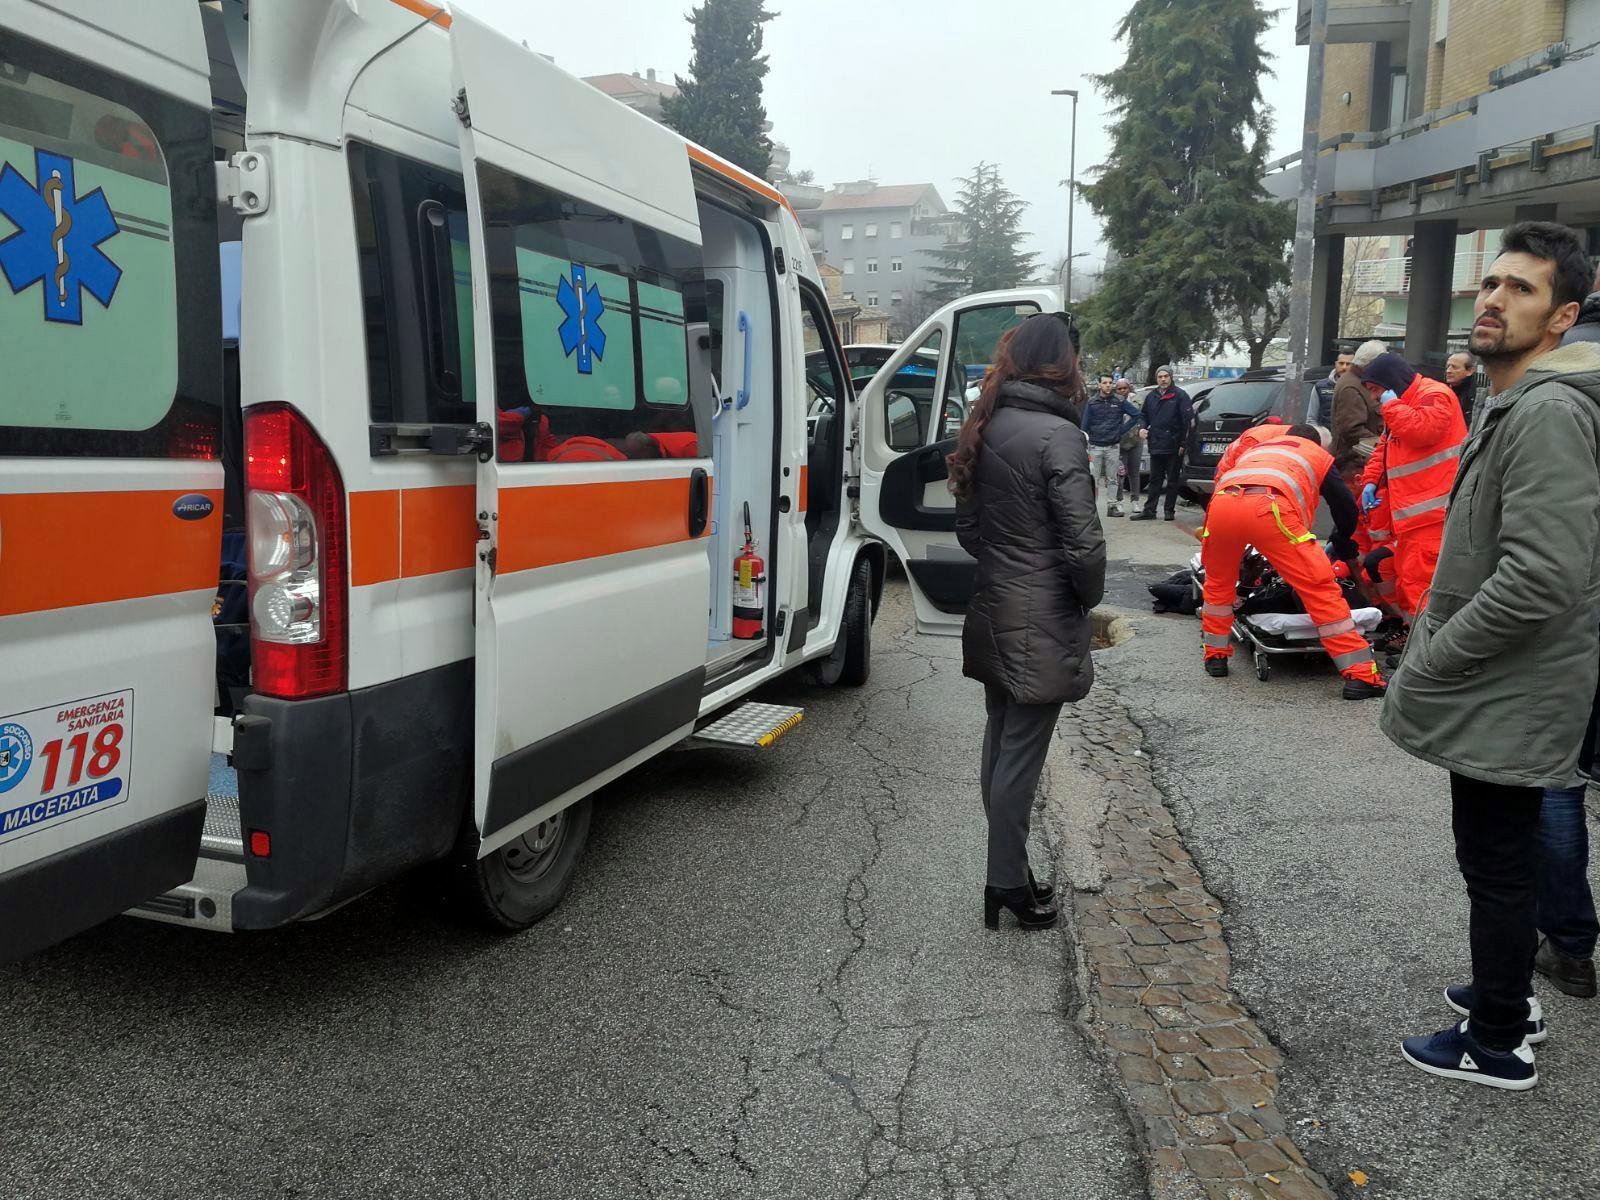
(593, 582)
(111, 504)
(911, 412)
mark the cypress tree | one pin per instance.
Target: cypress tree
(1195, 236)
(990, 254)
(719, 106)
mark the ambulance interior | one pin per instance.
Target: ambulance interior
(733, 304)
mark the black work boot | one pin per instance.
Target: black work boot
(1574, 976)
(1362, 689)
(1217, 668)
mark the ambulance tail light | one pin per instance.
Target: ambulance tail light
(295, 526)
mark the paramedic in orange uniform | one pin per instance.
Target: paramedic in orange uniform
(1266, 495)
(1413, 469)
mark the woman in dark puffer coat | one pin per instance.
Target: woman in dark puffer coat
(1027, 513)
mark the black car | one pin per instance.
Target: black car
(1229, 408)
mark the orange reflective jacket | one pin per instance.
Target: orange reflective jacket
(1290, 466)
(1415, 463)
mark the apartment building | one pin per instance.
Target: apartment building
(1443, 122)
(878, 236)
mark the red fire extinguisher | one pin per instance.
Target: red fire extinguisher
(749, 581)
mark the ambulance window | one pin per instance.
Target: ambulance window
(107, 233)
(589, 311)
(416, 288)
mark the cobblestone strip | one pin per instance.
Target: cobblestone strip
(1199, 1076)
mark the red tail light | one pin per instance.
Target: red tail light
(295, 525)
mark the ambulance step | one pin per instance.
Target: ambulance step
(221, 837)
(753, 725)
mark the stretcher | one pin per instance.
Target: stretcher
(1267, 635)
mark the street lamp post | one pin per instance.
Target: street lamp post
(1072, 180)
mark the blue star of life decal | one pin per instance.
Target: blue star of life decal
(57, 243)
(581, 332)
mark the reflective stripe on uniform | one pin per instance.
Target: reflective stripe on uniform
(1219, 641)
(1422, 464)
(1294, 539)
(1379, 535)
(1241, 472)
(1354, 659)
(1217, 610)
(1416, 510)
(1334, 630)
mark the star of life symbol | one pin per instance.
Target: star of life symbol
(57, 243)
(580, 331)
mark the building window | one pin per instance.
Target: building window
(896, 266)
(872, 266)
(850, 296)
(846, 232)
(872, 229)
(895, 229)
(872, 299)
(895, 297)
(849, 266)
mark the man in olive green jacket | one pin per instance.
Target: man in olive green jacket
(1500, 671)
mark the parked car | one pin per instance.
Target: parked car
(1225, 409)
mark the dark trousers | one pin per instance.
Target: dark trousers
(1015, 743)
(1497, 847)
(1129, 480)
(1166, 474)
(1566, 912)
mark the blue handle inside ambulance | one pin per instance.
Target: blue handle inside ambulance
(744, 328)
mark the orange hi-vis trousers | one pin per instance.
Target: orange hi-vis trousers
(1416, 556)
(1273, 525)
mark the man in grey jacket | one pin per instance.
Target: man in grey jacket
(1502, 662)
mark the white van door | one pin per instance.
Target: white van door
(911, 412)
(593, 581)
(111, 489)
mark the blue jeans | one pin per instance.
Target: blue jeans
(1566, 912)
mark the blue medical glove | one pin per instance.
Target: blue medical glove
(1387, 398)
(1369, 497)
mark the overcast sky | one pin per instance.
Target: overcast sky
(906, 91)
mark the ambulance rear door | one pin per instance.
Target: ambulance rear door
(593, 581)
(911, 412)
(111, 490)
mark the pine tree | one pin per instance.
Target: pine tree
(720, 105)
(1180, 198)
(990, 256)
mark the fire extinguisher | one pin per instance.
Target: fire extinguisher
(749, 581)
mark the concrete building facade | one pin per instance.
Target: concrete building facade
(1443, 122)
(878, 237)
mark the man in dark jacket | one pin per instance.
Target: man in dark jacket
(1107, 419)
(1461, 373)
(1587, 326)
(1168, 414)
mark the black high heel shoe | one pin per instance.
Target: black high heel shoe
(1043, 893)
(1030, 914)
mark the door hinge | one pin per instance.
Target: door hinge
(777, 259)
(489, 554)
(462, 110)
(245, 182)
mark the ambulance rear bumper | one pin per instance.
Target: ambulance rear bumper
(352, 790)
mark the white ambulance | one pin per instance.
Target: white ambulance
(399, 440)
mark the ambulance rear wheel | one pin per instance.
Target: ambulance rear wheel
(522, 882)
(857, 631)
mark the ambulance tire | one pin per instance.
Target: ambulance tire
(857, 632)
(521, 883)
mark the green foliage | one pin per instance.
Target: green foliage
(990, 256)
(720, 105)
(1197, 239)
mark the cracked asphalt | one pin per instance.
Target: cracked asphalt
(770, 980)
(1345, 913)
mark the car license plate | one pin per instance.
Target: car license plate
(1215, 445)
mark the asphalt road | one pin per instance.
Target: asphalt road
(1346, 914)
(770, 980)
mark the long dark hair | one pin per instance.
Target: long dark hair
(1039, 351)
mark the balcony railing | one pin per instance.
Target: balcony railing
(1392, 276)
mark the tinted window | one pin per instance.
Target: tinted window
(589, 316)
(1247, 398)
(107, 234)
(416, 288)
(978, 330)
